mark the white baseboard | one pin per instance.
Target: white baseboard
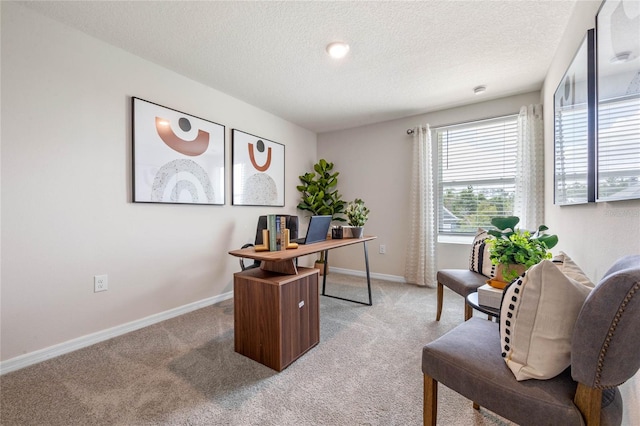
(386, 277)
(35, 357)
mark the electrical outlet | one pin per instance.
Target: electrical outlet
(383, 249)
(100, 283)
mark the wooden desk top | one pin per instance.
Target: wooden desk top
(302, 250)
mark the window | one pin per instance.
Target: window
(571, 154)
(618, 95)
(476, 173)
(619, 148)
(574, 129)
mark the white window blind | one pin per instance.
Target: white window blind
(571, 154)
(619, 149)
(476, 179)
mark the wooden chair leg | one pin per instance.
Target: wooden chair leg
(468, 311)
(440, 297)
(589, 401)
(430, 408)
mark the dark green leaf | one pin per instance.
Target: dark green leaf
(549, 240)
(503, 223)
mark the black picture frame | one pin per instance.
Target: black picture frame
(177, 158)
(575, 128)
(258, 171)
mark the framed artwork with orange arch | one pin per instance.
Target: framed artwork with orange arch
(258, 171)
(177, 158)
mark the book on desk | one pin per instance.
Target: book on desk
(490, 296)
(276, 235)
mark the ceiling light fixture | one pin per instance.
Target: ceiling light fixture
(621, 57)
(479, 90)
(337, 49)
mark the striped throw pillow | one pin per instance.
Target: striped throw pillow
(479, 260)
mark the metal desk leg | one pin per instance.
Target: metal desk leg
(366, 262)
(324, 275)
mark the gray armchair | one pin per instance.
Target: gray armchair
(463, 282)
(604, 354)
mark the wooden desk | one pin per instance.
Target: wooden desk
(276, 317)
(283, 261)
(276, 306)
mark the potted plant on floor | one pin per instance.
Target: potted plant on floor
(318, 195)
(357, 215)
(515, 250)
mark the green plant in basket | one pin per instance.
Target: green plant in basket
(510, 246)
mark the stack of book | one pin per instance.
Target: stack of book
(490, 296)
(276, 225)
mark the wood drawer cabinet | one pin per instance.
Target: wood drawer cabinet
(276, 317)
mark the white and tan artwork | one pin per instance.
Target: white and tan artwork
(177, 158)
(258, 171)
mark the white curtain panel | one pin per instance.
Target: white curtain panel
(420, 265)
(529, 196)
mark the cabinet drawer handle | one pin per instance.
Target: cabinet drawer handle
(301, 304)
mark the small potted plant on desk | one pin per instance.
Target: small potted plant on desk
(357, 215)
(515, 250)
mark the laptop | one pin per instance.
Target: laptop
(317, 231)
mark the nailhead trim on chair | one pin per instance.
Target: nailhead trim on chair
(612, 329)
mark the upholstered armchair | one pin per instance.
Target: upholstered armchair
(467, 281)
(603, 354)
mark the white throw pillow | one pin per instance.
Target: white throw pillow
(537, 316)
(479, 260)
(571, 269)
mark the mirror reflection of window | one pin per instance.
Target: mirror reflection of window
(618, 68)
(574, 103)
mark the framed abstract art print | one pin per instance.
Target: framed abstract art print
(258, 171)
(177, 158)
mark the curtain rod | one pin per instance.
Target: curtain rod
(411, 131)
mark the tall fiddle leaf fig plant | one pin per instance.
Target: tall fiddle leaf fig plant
(318, 193)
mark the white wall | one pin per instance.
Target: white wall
(375, 164)
(594, 234)
(67, 213)
(66, 200)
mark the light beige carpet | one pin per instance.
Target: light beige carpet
(184, 371)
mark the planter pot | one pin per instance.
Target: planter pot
(349, 231)
(357, 231)
(511, 267)
(320, 266)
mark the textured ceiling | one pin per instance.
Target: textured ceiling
(406, 58)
